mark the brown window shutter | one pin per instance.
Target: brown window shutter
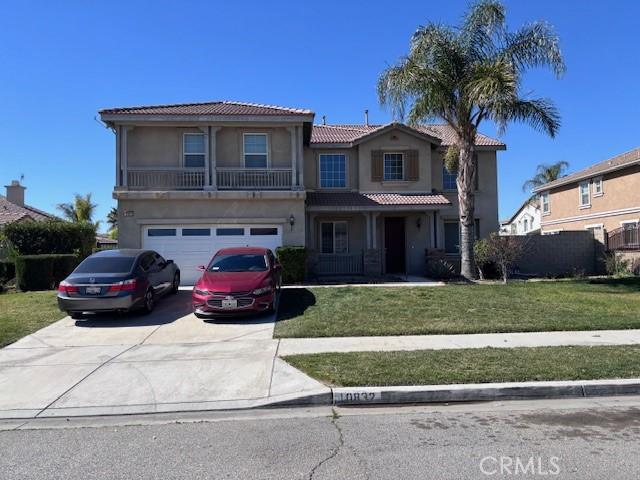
(413, 167)
(377, 166)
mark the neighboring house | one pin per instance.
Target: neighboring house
(13, 209)
(364, 198)
(525, 220)
(102, 241)
(602, 198)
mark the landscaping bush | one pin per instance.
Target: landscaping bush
(293, 261)
(616, 265)
(487, 268)
(43, 272)
(440, 269)
(54, 237)
(7, 271)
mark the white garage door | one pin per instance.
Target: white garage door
(193, 245)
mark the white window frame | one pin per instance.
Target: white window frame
(552, 232)
(593, 226)
(333, 246)
(204, 151)
(598, 181)
(545, 201)
(635, 221)
(346, 171)
(588, 204)
(244, 154)
(404, 167)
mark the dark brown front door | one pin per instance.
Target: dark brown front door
(394, 242)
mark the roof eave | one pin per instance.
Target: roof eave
(113, 118)
(561, 182)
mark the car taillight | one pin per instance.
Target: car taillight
(65, 287)
(124, 286)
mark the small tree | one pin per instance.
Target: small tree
(81, 210)
(482, 256)
(505, 251)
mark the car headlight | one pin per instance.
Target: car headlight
(262, 290)
(197, 291)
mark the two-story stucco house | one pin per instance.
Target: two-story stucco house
(364, 199)
(604, 197)
(525, 220)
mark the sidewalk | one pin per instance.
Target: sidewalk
(295, 346)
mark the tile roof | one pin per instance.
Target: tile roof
(347, 133)
(615, 163)
(354, 199)
(10, 212)
(207, 108)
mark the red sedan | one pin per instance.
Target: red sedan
(238, 280)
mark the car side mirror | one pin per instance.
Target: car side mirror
(277, 266)
(169, 262)
(202, 268)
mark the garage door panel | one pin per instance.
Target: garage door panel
(192, 245)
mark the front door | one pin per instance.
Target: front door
(394, 242)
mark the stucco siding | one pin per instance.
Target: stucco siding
(619, 201)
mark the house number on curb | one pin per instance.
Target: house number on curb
(356, 397)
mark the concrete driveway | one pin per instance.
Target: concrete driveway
(167, 361)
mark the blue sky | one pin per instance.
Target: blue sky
(62, 61)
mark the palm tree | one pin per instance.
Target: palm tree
(465, 75)
(80, 211)
(112, 218)
(544, 174)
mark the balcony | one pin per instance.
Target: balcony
(253, 178)
(624, 238)
(178, 178)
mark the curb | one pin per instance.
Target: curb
(483, 392)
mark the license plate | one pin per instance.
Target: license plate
(229, 303)
(92, 290)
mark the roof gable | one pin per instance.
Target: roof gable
(10, 213)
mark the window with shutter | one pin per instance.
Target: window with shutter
(413, 166)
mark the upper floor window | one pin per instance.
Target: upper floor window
(393, 166)
(333, 170)
(193, 149)
(526, 225)
(585, 198)
(597, 186)
(449, 179)
(255, 150)
(544, 200)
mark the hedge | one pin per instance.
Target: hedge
(7, 271)
(53, 237)
(294, 262)
(43, 272)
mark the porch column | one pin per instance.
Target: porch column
(207, 158)
(213, 131)
(300, 159)
(435, 229)
(374, 230)
(124, 164)
(294, 156)
(367, 217)
(312, 241)
(118, 157)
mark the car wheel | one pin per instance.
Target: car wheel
(76, 315)
(149, 302)
(176, 283)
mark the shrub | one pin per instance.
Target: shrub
(294, 262)
(440, 269)
(504, 251)
(54, 237)
(43, 272)
(7, 271)
(616, 265)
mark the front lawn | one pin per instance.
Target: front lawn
(481, 365)
(516, 307)
(24, 313)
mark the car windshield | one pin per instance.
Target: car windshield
(106, 265)
(245, 262)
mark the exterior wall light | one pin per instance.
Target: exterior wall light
(292, 221)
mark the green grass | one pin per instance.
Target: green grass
(483, 365)
(516, 307)
(24, 313)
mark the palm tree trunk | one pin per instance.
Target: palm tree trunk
(466, 202)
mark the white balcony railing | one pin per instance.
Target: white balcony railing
(166, 178)
(253, 178)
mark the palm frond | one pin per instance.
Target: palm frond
(541, 114)
(535, 45)
(483, 21)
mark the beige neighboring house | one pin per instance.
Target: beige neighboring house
(525, 220)
(604, 198)
(364, 199)
(13, 209)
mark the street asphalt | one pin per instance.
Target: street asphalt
(579, 438)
